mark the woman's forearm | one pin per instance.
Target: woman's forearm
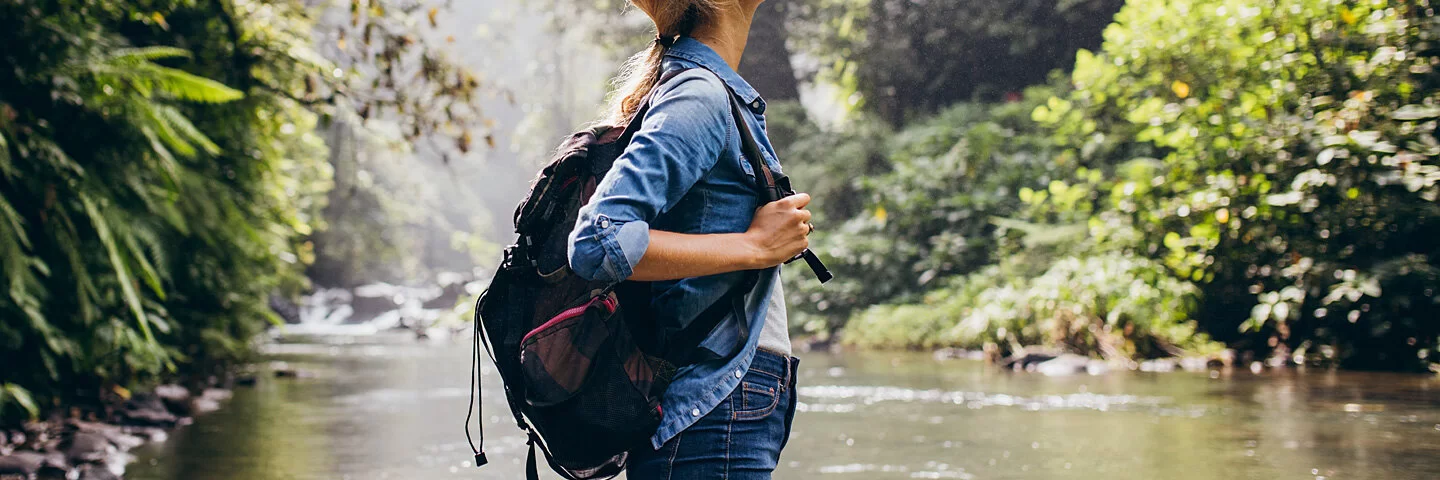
(672, 256)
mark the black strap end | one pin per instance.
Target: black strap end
(480, 460)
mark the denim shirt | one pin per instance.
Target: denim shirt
(683, 172)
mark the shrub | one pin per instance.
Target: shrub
(1112, 305)
(1299, 175)
(924, 211)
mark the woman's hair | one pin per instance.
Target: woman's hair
(639, 74)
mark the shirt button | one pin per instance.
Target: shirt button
(695, 412)
(739, 374)
(604, 221)
(755, 104)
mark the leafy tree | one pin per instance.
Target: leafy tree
(159, 178)
(902, 210)
(906, 59)
(1299, 171)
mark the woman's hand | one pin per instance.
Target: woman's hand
(776, 234)
(780, 230)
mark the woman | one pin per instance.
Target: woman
(679, 210)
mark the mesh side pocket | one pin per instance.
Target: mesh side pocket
(558, 356)
(606, 418)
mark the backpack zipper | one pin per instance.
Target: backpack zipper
(607, 301)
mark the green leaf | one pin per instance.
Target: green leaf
(137, 56)
(127, 284)
(185, 86)
(134, 66)
(21, 397)
(147, 271)
(181, 124)
(6, 168)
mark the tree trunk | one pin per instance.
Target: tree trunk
(766, 64)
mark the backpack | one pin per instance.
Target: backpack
(583, 364)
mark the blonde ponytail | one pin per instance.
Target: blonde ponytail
(639, 74)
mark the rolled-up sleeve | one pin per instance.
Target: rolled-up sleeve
(679, 141)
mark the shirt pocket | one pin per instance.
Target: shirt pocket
(745, 166)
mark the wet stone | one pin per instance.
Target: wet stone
(1067, 364)
(175, 398)
(150, 418)
(83, 447)
(97, 472)
(21, 463)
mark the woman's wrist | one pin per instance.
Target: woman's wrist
(753, 255)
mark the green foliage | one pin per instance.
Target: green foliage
(1111, 305)
(135, 242)
(1269, 169)
(905, 59)
(1297, 177)
(928, 216)
(160, 178)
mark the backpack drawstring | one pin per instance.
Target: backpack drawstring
(475, 407)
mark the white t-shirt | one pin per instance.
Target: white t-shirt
(775, 336)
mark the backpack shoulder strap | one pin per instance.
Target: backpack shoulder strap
(766, 180)
(632, 125)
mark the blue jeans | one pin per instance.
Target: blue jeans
(740, 439)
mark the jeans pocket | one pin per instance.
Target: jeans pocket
(757, 400)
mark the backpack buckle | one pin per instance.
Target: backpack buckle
(508, 261)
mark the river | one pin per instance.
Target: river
(390, 407)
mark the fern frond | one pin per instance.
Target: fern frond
(149, 78)
(6, 168)
(117, 261)
(186, 86)
(178, 122)
(51, 152)
(165, 133)
(136, 56)
(162, 153)
(11, 393)
(127, 232)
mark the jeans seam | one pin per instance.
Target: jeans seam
(670, 465)
(729, 434)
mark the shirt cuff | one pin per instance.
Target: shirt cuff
(607, 251)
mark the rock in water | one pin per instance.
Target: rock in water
(1097, 367)
(1159, 365)
(149, 418)
(110, 432)
(86, 447)
(21, 463)
(145, 401)
(97, 472)
(1027, 361)
(1067, 364)
(176, 398)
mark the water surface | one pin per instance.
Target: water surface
(389, 407)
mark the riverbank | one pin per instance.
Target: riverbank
(95, 445)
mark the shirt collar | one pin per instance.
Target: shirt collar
(696, 51)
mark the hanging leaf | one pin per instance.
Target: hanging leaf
(127, 284)
(20, 396)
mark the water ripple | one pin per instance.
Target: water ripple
(844, 399)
